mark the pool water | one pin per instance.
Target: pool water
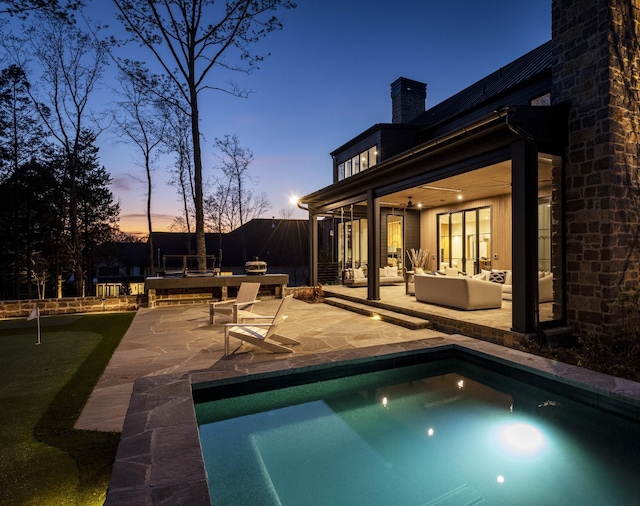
(448, 433)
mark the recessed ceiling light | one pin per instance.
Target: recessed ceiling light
(440, 188)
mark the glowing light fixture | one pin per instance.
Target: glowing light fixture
(440, 188)
(521, 439)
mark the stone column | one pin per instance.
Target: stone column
(595, 69)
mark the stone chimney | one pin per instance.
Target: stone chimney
(596, 56)
(407, 99)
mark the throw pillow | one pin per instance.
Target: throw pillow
(392, 272)
(509, 277)
(451, 271)
(480, 276)
(358, 273)
(383, 272)
(498, 277)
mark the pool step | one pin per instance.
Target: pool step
(403, 320)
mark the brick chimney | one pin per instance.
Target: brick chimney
(407, 99)
(596, 56)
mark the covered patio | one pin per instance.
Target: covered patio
(492, 325)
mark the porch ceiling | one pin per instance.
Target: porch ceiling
(481, 183)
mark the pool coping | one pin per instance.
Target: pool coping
(159, 459)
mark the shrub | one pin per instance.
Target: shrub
(311, 294)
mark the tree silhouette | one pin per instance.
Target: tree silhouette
(191, 38)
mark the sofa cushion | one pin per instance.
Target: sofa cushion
(358, 273)
(392, 272)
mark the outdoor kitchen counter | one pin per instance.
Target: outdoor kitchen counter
(203, 286)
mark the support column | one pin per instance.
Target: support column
(313, 250)
(524, 249)
(373, 246)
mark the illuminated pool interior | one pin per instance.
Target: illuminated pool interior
(446, 432)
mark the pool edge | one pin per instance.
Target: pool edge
(159, 459)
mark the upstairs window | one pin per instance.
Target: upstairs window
(358, 163)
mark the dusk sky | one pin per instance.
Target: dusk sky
(328, 79)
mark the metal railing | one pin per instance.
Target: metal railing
(185, 264)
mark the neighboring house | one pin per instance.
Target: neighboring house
(283, 244)
(121, 269)
(532, 169)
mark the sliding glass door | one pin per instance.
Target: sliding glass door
(464, 240)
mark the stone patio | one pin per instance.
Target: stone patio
(146, 390)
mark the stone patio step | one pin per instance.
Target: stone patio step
(403, 320)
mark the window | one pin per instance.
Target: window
(355, 164)
(542, 100)
(358, 163)
(352, 243)
(464, 240)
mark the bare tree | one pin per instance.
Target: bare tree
(72, 65)
(178, 142)
(190, 38)
(22, 137)
(22, 8)
(237, 203)
(144, 126)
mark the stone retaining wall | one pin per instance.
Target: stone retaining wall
(22, 308)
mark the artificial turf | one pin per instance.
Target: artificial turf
(43, 388)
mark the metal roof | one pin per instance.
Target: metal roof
(489, 88)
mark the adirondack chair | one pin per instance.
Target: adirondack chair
(262, 334)
(245, 300)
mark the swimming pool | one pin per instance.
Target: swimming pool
(446, 432)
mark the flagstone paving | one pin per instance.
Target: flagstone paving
(179, 339)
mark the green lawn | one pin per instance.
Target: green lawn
(43, 388)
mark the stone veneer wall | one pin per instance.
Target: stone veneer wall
(68, 305)
(596, 62)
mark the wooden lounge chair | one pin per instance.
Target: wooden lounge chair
(244, 301)
(262, 334)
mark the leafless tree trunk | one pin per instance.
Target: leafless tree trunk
(144, 126)
(189, 38)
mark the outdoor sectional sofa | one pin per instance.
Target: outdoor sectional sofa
(545, 283)
(458, 292)
(357, 277)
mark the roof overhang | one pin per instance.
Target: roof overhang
(477, 144)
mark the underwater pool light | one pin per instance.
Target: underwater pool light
(522, 439)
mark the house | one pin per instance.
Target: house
(282, 243)
(120, 269)
(532, 169)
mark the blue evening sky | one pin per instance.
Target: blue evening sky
(327, 79)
